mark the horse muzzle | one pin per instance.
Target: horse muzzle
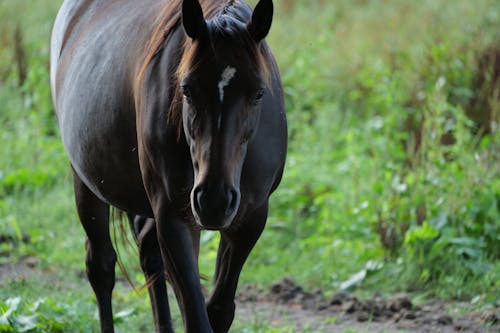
(214, 208)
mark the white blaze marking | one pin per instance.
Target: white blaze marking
(219, 121)
(225, 78)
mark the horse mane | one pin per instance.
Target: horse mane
(170, 18)
(166, 22)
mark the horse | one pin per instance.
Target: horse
(172, 112)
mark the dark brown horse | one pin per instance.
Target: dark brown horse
(176, 118)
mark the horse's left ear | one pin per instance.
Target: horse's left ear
(192, 19)
(262, 18)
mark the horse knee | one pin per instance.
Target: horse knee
(221, 316)
(100, 265)
(151, 263)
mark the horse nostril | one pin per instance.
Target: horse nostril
(233, 199)
(199, 195)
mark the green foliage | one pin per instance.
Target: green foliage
(382, 145)
(43, 315)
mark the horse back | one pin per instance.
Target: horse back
(95, 48)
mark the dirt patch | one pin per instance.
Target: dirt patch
(15, 270)
(18, 271)
(287, 303)
(288, 307)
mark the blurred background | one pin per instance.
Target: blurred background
(392, 180)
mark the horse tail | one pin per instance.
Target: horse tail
(121, 240)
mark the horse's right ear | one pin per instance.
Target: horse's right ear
(192, 19)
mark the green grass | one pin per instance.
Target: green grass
(361, 80)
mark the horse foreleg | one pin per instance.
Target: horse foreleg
(101, 256)
(179, 258)
(152, 266)
(195, 236)
(234, 248)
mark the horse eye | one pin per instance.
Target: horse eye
(259, 95)
(186, 91)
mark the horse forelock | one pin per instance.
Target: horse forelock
(228, 22)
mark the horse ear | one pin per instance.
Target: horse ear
(192, 18)
(262, 18)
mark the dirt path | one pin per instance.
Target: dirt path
(289, 306)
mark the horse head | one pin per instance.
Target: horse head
(223, 79)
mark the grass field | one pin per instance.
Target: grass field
(392, 180)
